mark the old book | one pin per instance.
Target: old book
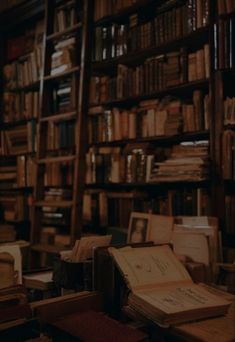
(39, 280)
(95, 326)
(161, 288)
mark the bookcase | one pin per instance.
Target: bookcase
(21, 46)
(156, 137)
(131, 110)
(61, 140)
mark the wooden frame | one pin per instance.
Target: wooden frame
(139, 226)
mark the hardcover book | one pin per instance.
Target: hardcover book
(161, 288)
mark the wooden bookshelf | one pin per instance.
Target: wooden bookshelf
(130, 58)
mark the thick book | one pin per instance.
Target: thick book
(161, 288)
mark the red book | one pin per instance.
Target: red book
(91, 326)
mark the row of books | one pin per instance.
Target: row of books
(142, 164)
(58, 174)
(150, 118)
(156, 74)
(62, 98)
(229, 111)
(63, 58)
(224, 32)
(60, 135)
(20, 106)
(19, 140)
(187, 162)
(23, 72)
(65, 17)
(14, 207)
(113, 209)
(116, 40)
(228, 154)
(225, 6)
(230, 214)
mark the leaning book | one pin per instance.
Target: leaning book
(161, 288)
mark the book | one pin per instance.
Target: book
(78, 325)
(161, 288)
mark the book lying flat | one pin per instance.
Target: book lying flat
(161, 288)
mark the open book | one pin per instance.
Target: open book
(161, 288)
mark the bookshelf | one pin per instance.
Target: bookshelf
(63, 91)
(151, 102)
(21, 41)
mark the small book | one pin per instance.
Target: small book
(161, 288)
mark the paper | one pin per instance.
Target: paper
(193, 245)
(150, 266)
(161, 228)
(182, 298)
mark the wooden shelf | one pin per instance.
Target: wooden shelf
(148, 186)
(7, 125)
(165, 140)
(59, 159)
(62, 74)
(176, 90)
(58, 35)
(67, 4)
(59, 117)
(31, 86)
(54, 204)
(125, 12)
(136, 57)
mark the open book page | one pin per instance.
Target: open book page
(148, 266)
(174, 299)
(193, 245)
(161, 228)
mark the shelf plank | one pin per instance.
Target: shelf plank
(166, 140)
(60, 34)
(143, 185)
(54, 204)
(59, 117)
(136, 57)
(180, 88)
(59, 159)
(62, 74)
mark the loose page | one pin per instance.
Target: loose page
(148, 266)
(193, 245)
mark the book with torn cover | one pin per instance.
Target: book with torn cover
(161, 288)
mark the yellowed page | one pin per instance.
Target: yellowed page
(161, 228)
(192, 245)
(87, 244)
(147, 266)
(174, 299)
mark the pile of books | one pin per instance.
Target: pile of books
(64, 56)
(187, 162)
